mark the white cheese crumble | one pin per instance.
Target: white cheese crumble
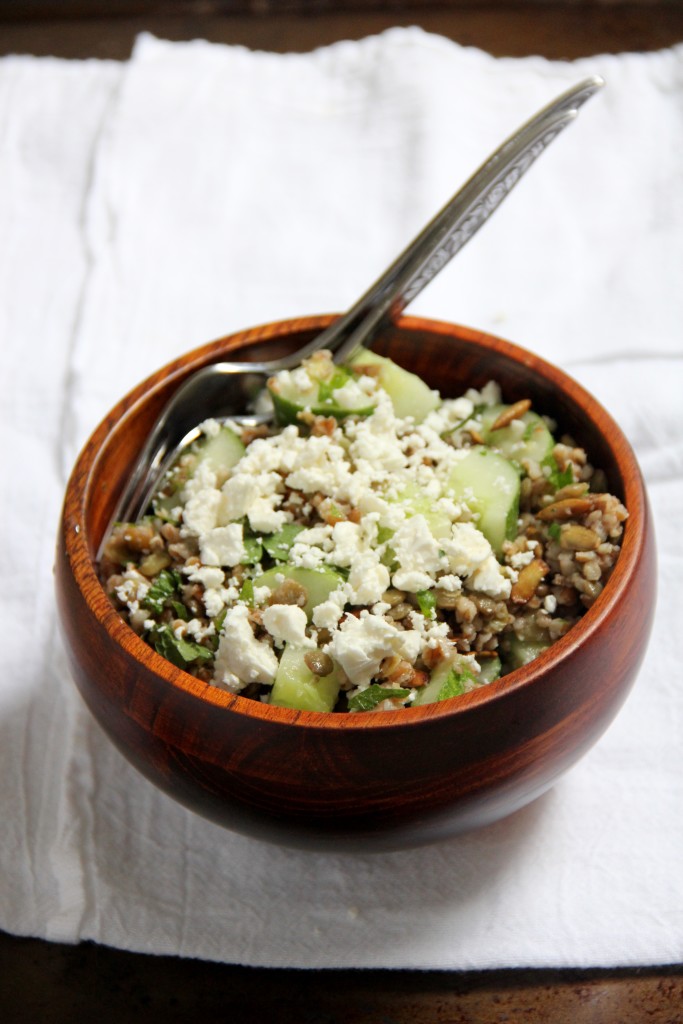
(222, 545)
(361, 644)
(286, 623)
(240, 655)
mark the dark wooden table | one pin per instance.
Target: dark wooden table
(52, 983)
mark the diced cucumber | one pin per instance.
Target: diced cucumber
(318, 583)
(409, 394)
(297, 687)
(527, 437)
(166, 506)
(289, 401)
(416, 502)
(489, 485)
(220, 452)
(521, 652)
(490, 669)
(453, 677)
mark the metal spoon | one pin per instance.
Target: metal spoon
(228, 388)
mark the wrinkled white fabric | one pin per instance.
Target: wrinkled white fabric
(150, 206)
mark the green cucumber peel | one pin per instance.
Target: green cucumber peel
(369, 698)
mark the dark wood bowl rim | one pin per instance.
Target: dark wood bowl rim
(80, 547)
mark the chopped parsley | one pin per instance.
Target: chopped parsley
(555, 530)
(177, 649)
(558, 477)
(165, 586)
(328, 387)
(426, 602)
(455, 684)
(278, 544)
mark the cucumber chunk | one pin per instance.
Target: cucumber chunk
(295, 686)
(416, 502)
(489, 485)
(409, 394)
(453, 677)
(220, 452)
(318, 583)
(323, 399)
(521, 652)
(490, 669)
(527, 437)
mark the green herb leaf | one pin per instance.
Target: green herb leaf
(473, 415)
(558, 477)
(455, 684)
(327, 387)
(555, 530)
(162, 589)
(176, 649)
(214, 640)
(426, 602)
(368, 699)
(278, 544)
(247, 593)
(180, 610)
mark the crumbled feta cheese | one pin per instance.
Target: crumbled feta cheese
(327, 614)
(346, 538)
(368, 578)
(223, 545)
(210, 427)
(361, 644)
(489, 579)
(417, 553)
(521, 558)
(209, 576)
(286, 622)
(466, 549)
(240, 654)
(201, 511)
(133, 589)
(470, 555)
(351, 396)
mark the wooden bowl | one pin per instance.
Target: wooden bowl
(384, 780)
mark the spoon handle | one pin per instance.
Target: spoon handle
(229, 384)
(453, 226)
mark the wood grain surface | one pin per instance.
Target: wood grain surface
(57, 984)
(558, 29)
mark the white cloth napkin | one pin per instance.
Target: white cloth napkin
(150, 206)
